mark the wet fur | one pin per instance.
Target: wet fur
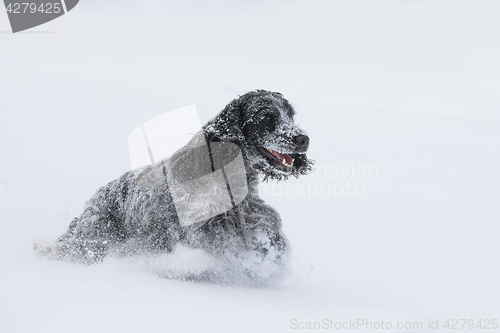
(124, 219)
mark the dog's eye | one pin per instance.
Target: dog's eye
(269, 118)
(268, 123)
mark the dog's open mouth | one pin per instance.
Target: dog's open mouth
(279, 158)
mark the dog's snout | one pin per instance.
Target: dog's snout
(302, 140)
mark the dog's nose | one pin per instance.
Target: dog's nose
(302, 140)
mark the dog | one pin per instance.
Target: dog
(126, 217)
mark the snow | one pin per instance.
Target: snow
(411, 88)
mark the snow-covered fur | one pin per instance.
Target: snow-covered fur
(123, 218)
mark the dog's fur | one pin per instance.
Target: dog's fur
(125, 218)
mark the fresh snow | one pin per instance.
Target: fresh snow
(405, 93)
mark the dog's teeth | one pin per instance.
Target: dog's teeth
(283, 162)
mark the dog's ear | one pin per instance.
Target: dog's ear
(227, 125)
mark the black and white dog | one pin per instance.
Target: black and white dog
(124, 217)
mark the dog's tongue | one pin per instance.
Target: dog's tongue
(287, 158)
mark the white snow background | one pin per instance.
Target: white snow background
(409, 86)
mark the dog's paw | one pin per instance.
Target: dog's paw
(45, 248)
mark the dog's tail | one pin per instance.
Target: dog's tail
(46, 248)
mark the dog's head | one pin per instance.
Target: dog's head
(262, 123)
